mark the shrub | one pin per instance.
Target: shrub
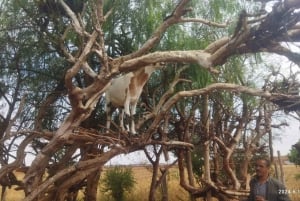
(118, 180)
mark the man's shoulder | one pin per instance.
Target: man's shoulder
(275, 181)
(271, 180)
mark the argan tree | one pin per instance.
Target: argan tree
(58, 58)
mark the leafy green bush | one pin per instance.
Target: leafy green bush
(118, 180)
(294, 155)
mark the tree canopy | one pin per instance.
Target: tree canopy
(215, 95)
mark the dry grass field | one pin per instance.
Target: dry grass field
(292, 184)
(176, 193)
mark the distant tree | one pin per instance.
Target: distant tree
(294, 155)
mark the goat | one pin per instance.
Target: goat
(124, 92)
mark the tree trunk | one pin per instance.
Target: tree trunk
(153, 185)
(276, 171)
(205, 126)
(268, 120)
(190, 172)
(244, 171)
(271, 147)
(37, 168)
(155, 170)
(164, 186)
(281, 168)
(92, 186)
(3, 193)
(230, 172)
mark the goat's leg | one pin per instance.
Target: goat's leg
(122, 113)
(132, 113)
(108, 117)
(126, 110)
(132, 126)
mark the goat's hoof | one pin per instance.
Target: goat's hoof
(133, 133)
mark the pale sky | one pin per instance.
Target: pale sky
(289, 136)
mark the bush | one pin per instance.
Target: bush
(118, 180)
(294, 155)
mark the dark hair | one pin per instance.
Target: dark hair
(268, 162)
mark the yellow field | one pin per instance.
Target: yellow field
(292, 184)
(176, 193)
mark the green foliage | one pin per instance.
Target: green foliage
(198, 163)
(200, 77)
(117, 181)
(294, 155)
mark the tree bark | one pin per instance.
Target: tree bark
(205, 126)
(92, 186)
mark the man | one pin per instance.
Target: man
(265, 188)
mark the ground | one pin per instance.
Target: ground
(142, 176)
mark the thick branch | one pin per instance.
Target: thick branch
(216, 86)
(193, 56)
(173, 143)
(88, 166)
(72, 15)
(209, 89)
(203, 21)
(19, 158)
(81, 60)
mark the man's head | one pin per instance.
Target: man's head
(262, 167)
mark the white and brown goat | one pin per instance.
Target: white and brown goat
(124, 92)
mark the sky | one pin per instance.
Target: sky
(289, 136)
(137, 157)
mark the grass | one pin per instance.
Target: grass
(176, 193)
(13, 195)
(142, 177)
(292, 184)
